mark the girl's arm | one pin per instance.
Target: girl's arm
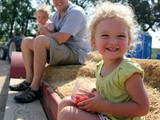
(138, 107)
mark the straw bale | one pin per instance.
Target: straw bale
(64, 88)
(152, 71)
(154, 98)
(63, 78)
(69, 72)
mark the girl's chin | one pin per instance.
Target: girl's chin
(111, 55)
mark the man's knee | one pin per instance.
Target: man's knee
(27, 42)
(65, 102)
(65, 113)
(42, 40)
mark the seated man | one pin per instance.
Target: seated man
(67, 45)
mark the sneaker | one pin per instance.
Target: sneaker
(20, 87)
(27, 96)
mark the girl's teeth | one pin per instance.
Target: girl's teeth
(112, 49)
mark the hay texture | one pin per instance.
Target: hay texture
(63, 78)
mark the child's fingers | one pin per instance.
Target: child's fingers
(83, 103)
(86, 107)
(84, 91)
(93, 90)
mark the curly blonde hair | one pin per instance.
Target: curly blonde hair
(105, 10)
(43, 8)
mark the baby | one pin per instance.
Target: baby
(42, 15)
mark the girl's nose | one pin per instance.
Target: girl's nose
(113, 40)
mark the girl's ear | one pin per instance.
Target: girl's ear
(93, 42)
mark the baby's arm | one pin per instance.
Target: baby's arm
(39, 30)
(49, 26)
(138, 107)
(37, 33)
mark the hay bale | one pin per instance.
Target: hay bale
(69, 72)
(63, 78)
(152, 71)
(154, 99)
(64, 88)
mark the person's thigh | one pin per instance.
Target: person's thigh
(75, 113)
(68, 110)
(61, 54)
(65, 102)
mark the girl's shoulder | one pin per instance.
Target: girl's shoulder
(128, 67)
(130, 64)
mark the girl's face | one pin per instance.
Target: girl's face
(42, 18)
(111, 38)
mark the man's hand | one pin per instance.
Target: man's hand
(43, 31)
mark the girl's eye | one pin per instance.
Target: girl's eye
(121, 36)
(105, 35)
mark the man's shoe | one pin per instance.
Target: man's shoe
(27, 96)
(20, 87)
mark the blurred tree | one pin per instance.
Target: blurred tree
(16, 17)
(147, 11)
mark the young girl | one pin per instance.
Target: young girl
(119, 93)
(42, 15)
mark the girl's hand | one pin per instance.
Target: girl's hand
(81, 95)
(93, 90)
(91, 105)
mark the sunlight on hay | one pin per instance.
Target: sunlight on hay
(65, 89)
(152, 71)
(154, 98)
(69, 72)
(63, 78)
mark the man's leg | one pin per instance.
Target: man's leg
(40, 47)
(27, 53)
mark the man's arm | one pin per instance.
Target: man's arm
(60, 37)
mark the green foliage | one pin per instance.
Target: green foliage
(155, 51)
(147, 12)
(18, 15)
